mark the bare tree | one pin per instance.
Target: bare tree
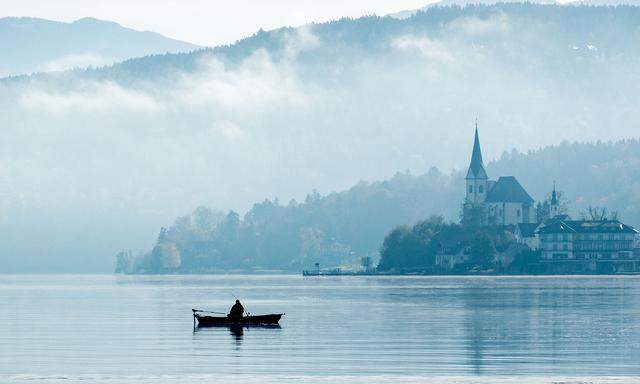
(596, 214)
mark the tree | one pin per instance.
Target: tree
(229, 227)
(391, 252)
(595, 213)
(206, 219)
(482, 250)
(366, 262)
(311, 240)
(473, 215)
(411, 247)
(165, 257)
(124, 262)
(523, 260)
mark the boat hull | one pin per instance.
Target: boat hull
(212, 321)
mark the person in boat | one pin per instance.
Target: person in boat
(237, 311)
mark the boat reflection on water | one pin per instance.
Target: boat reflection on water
(236, 330)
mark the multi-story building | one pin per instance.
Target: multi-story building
(588, 245)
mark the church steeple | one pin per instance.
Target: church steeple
(476, 167)
(476, 180)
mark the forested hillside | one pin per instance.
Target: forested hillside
(341, 227)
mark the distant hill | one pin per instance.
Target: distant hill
(36, 45)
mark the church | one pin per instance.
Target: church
(501, 202)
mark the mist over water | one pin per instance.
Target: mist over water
(107, 329)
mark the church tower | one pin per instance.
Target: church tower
(476, 179)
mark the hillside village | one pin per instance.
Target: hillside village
(542, 238)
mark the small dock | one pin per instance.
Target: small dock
(338, 272)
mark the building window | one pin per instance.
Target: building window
(518, 212)
(480, 189)
(471, 189)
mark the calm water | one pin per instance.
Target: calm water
(110, 329)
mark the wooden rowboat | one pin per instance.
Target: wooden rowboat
(212, 321)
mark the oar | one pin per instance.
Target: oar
(200, 310)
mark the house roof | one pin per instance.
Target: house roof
(508, 190)
(586, 226)
(527, 229)
(600, 226)
(556, 226)
(476, 167)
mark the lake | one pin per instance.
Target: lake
(139, 329)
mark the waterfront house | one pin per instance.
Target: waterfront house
(601, 246)
(525, 233)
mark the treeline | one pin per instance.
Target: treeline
(415, 248)
(341, 228)
(336, 229)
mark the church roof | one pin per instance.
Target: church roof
(508, 190)
(476, 168)
(527, 229)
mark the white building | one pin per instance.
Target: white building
(503, 202)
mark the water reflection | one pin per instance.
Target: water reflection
(237, 332)
(519, 325)
(407, 326)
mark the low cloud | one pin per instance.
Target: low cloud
(429, 48)
(91, 97)
(76, 61)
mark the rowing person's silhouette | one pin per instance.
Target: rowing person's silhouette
(237, 311)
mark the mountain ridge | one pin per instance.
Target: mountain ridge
(41, 45)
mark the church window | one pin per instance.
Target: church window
(471, 189)
(480, 189)
(518, 212)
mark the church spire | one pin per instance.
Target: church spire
(554, 195)
(476, 168)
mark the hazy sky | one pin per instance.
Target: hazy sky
(205, 22)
